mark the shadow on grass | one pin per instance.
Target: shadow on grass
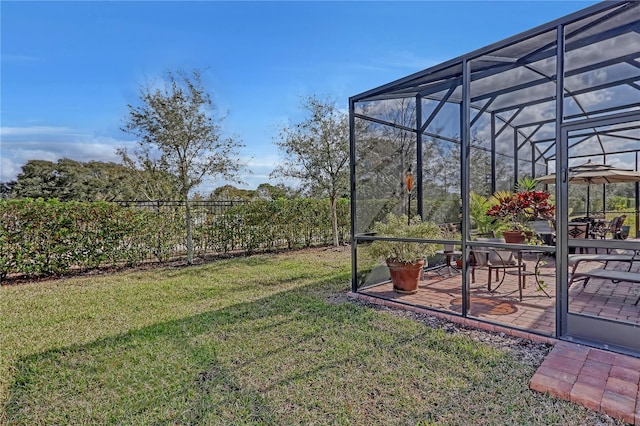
(287, 358)
(180, 371)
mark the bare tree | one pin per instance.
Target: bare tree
(180, 133)
(316, 152)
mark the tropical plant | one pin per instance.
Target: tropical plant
(526, 183)
(404, 251)
(516, 209)
(478, 206)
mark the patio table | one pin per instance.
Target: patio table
(522, 273)
(452, 270)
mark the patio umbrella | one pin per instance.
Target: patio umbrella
(596, 173)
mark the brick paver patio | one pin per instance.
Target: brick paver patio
(536, 311)
(597, 379)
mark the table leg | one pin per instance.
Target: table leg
(521, 276)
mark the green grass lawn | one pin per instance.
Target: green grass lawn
(256, 340)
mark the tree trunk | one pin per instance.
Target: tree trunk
(187, 209)
(334, 220)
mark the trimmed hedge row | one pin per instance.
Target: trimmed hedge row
(50, 237)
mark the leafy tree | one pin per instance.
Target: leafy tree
(151, 182)
(70, 180)
(267, 191)
(196, 196)
(179, 133)
(264, 191)
(37, 180)
(316, 152)
(230, 192)
(102, 181)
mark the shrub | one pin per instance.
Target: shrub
(404, 251)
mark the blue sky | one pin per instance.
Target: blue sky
(69, 69)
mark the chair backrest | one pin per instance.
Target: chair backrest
(491, 255)
(613, 225)
(541, 226)
(617, 230)
(579, 229)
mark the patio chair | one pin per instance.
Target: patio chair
(616, 231)
(579, 230)
(602, 231)
(599, 228)
(493, 259)
(615, 274)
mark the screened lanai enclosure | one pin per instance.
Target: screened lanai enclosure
(447, 143)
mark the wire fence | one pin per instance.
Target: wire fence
(213, 207)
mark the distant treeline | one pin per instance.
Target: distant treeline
(39, 237)
(70, 180)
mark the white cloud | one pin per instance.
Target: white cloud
(264, 162)
(8, 170)
(34, 130)
(21, 144)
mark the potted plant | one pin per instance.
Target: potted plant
(516, 209)
(405, 259)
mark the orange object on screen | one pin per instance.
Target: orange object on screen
(408, 179)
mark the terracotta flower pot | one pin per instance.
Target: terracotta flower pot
(405, 276)
(515, 237)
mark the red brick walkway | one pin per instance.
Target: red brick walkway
(600, 380)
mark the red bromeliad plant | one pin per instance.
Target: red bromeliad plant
(521, 207)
